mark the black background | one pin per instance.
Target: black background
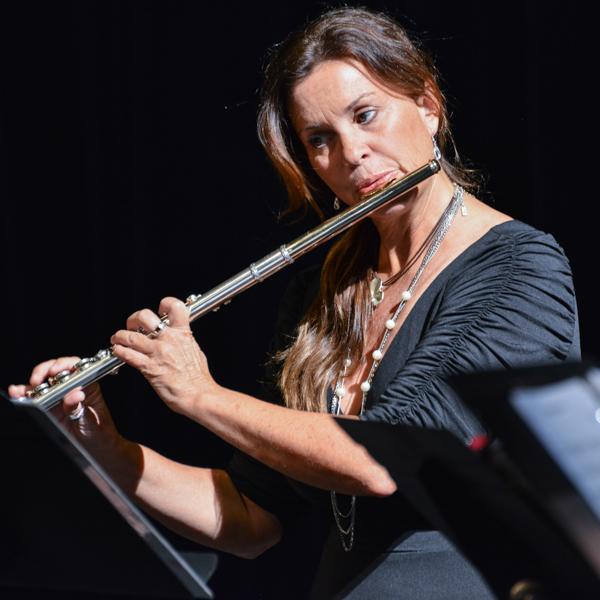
(130, 170)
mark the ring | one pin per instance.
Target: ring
(158, 329)
(77, 413)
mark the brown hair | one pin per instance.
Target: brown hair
(334, 327)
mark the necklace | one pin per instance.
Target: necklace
(435, 238)
(377, 285)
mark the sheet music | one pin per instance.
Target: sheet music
(565, 416)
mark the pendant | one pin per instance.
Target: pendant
(376, 289)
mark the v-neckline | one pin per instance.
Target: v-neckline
(378, 384)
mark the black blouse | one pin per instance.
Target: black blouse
(506, 301)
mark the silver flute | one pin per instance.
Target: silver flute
(48, 394)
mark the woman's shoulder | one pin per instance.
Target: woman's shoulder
(520, 231)
(498, 233)
(513, 244)
(515, 274)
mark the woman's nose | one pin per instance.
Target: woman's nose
(353, 147)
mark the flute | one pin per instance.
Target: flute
(88, 370)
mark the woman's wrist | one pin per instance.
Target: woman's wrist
(123, 460)
(201, 401)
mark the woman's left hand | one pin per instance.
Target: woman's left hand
(170, 359)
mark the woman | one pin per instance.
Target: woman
(435, 284)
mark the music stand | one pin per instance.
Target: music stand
(546, 423)
(68, 528)
(487, 509)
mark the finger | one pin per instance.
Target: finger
(64, 363)
(51, 367)
(72, 399)
(132, 339)
(17, 391)
(176, 310)
(40, 372)
(132, 321)
(133, 358)
(144, 320)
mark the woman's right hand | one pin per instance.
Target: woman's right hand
(95, 427)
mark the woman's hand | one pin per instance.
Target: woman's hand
(169, 358)
(83, 411)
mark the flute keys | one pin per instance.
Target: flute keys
(83, 364)
(60, 377)
(40, 390)
(192, 298)
(101, 354)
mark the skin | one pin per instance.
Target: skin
(354, 129)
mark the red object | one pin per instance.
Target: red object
(479, 442)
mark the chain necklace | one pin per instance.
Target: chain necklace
(377, 285)
(346, 532)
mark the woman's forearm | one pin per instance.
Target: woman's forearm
(199, 503)
(309, 447)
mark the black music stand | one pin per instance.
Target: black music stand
(546, 423)
(68, 531)
(499, 516)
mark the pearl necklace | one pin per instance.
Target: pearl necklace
(347, 532)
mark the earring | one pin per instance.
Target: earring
(437, 154)
(336, 203)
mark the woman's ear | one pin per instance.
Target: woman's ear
(429, 109)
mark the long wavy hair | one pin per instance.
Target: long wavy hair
(334, 327)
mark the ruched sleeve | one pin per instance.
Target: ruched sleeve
(507, 301)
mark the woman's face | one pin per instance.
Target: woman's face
(358, 134)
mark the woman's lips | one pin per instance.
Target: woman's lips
(372, 184)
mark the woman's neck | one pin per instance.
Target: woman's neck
(403, 228)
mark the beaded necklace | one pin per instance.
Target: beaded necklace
(346, 532)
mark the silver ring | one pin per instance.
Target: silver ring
(77, 413)
(159, 328)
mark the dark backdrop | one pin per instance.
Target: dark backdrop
(130, 170)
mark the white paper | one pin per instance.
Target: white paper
(565, 416)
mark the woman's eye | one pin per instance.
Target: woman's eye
(366, 116)
(317, 141)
